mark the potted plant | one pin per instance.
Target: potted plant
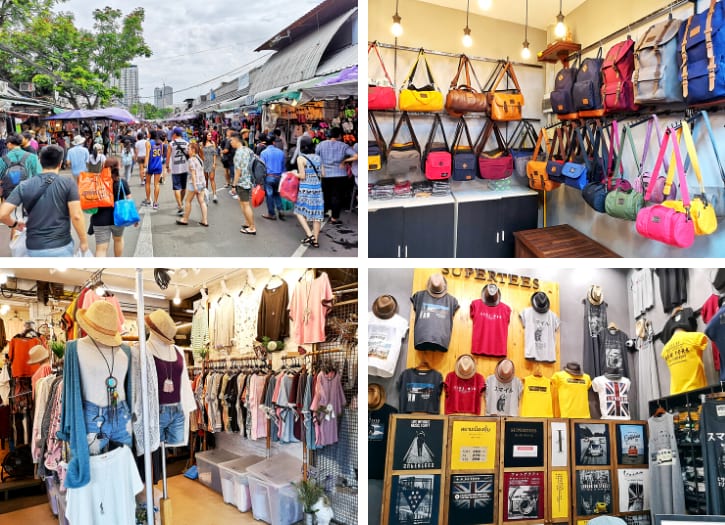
(308, 492)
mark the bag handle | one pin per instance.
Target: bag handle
(507, 68)
(462, 126)
(374, 46)
(437, 123)
(377, 134)
(537, 148)
(692, 152)
(626, 134)
(710, 132)
(120, 189)
(409, 79)
(485, 135)
(524, 130)
(581, 148)
(677, 165)
(464, 63)
(406, 118)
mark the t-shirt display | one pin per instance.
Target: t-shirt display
(613, 354)
(490, 328)
(642, 290)
(715, 330)
(595, 321)
(536, 400)
(539, 334)
(308, 308)
(378, 421)
(673, 287)
(571, 394)
(420, 391)
(683, 319)
(712, 435)
(683, 355)
(502, 399)
(273, 319)
(613, 396)
(664, 467)
(385, 337)
(463, 396)
(433, 320)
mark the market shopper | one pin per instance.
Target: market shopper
(334, 154)
(310, 205)
(153, 168)
(196, 186)
(209, 155)
(16, 155)
(52, 204)
(243, 183)
(77, 157)
(140, 147)
(274, 159)
(127, 160)
(177, 163)
(227, 151)
(97, 159)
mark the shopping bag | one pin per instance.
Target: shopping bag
(289, 185)
(96, 189)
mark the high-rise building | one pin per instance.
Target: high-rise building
(164, 97)
(127, 82)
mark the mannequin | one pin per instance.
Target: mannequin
(570, 392)
(491, 295)
(683, 355)
(434, 311)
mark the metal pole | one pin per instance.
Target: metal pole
(148, 474)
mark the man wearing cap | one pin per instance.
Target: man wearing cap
(17, 155)
(177, 163)
(386, 331)
(78, 156)
(274, 159)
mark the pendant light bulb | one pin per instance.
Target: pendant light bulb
(177, 297)
(560, 29)
(396, 29)
(485, 4)
(467, 40)
(526, 52)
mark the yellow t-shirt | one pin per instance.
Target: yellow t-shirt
(536, 400)
(683, 355)
(571, 391)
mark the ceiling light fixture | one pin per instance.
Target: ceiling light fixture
(560, 29)
(177, 297)
(467, 40)
(396, 28)
(485, 4)
(526, 52)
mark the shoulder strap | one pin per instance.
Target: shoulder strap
(713, 141)
(309, 161)
(507, 68)
(626, 134)
(7, 161)
(46, 184)
(485, 135)
(690, 144)
(677, 165)
(405, 118)
(437, 124)
(460, 128)
(377, 134)
(120, 190)
(374, 46)
(408, 79)
(542, 138)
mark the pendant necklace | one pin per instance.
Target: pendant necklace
(168, 386)
(307, 312)
(111, 381)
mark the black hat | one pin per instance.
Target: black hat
(573, 368)
(540, 302)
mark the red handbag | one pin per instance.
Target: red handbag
(662, 223)
(289, 186)
(381, 97)
(493, 164)
(258, 195)
(437, 159)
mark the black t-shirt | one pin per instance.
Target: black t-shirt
(104, 216)
(673, 287)
(227, 144)
(420, 391)
(684, 319)
(378, 426)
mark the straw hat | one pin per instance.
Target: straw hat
(505, 370)
(573, 368)
(595, 295)
(37, 354)
(78, 140)
(376, 397)
(437, 285)
(540, 302)
(161, 323)
(465, 367)
(100, 322)
(641, 328)
(385, 307)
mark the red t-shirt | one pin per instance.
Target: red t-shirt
(708, 311)
(463, 396)
(490, 328)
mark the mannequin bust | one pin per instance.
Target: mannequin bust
(99, 362)
(169, 362)
(437, 285)
(491, 295)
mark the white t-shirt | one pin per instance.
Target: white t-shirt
(385, 337)
(642, 289)
(502, 399)
(539, 335)
(109, 497)
(613, 397)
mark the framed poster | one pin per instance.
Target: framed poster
(638, 519)
(415, 499)
(524, 493)
(594, 492)
(591, 441)
(633, 490)
(418, 444)
(559, 443)
(471, 499)
(559, 489)
(631, 445)
(473, 445)
(523, 444)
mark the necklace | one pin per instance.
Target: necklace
(111, 381)
(308, 289)
(168, 386)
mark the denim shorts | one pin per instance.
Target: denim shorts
(171, 424)
(61, 251)
(178, 181)
(114, 423)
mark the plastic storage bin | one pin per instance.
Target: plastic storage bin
(207, 464)
(274, 500)
(235, 487)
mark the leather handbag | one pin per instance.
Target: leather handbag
(588, 86)
(536, 168)
(556, 157)
(462, 98)
(701, 58)
(656, 75)
(381, 94)
(403, 161)
(424, 98)
(622, 202)
(465, 166)
(493, 164)
(437, 160)
(504, 106)
(617, 69)
(376, 146)
(520, 151)
(661, 223)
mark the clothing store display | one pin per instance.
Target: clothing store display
(385, 338)
(641, 287)
(419, 391)
(90, 297)
(490, 327)
(385, 307)
(503, 391)
(540, 329)
(246, 305)
(648, 382)
(200, 327)
(376, 397)
(683, 319)
(222, 321)
(433, 319)
(571, 393)
(613, 353)
(540, 302)
(595, 320)
(683, 355)
(38, 354)
(536, 399)
(273, 319)
(100, 322)
(673, 287)
(378, 427)
(308, 308)
(715, 330)
(664, 467)
(327, 405)
(463, 396)
(465, 367)
(19, 352)
(712, 437)
(613, 396)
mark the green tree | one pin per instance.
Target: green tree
(14, 12)
(148, 111)
(79, 64)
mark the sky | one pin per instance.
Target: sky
(195, 41)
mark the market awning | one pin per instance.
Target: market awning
(118, 114)
(332, 92)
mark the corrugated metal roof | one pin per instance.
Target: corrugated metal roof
(300, 60)
(210, 104)
(344, 58)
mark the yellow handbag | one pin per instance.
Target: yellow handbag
(536, 169)
(502, 105)
(701, 211)
(427, 98)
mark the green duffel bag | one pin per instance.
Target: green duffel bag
(623, 204)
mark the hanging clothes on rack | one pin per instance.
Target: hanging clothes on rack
(273, 318)
(246, 309)
(200, 328)
(673, 287)
(222, 321)
(19, 351)
(309, 307)
(327, 406)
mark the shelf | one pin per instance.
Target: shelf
(558, 50)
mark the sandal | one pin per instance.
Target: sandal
(314, 244)
(180, 223)
(205, 224)
(269, 217)
(308, 239)
(246, 231)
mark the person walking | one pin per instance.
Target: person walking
(209, 154)
(16, 155)
(52, 205)
(243, 183)
(127, 160)
(140, 148)
(228, 157)
(334, 154)
(97, 160)
(78, 156)
(102, 222)
(154, 168)
(177, 163)
(310, 205)
(196, 186)
(273, 158)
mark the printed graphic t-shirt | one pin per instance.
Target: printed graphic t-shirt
(613, 397)
(384, 340)
(683, 355)
(539, 335)
(502, 399)
(378, 421)
(572, 394)
(536, 400)
(420, 391)
(490, 328)
(433, 320)
(463, 396)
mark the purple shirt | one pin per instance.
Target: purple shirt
(169, 370)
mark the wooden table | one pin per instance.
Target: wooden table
(558, 241)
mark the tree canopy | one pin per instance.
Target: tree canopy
(148, 111)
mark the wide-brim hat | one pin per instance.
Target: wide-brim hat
(385, 307)
(505, 370)
(540, 302)
(573, 368)
(640, 328)
(376, 397)
(161, 323)
(491, 299)
(465, 367)
(437, 285)
(595, 295)
(78, 140)
(37, 354)
(100, 322)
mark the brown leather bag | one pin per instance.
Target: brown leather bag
(502, 105)
(462, 99)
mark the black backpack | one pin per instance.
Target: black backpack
(18, 463)
(15, 173)
(258, 169)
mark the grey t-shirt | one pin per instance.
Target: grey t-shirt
(48, 223)
(502, 399)
(433, 320)
(664, 468)
(420, 391)
(539, 335)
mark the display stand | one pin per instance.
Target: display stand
(630, 456)
(592, 472)
(559, 467)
